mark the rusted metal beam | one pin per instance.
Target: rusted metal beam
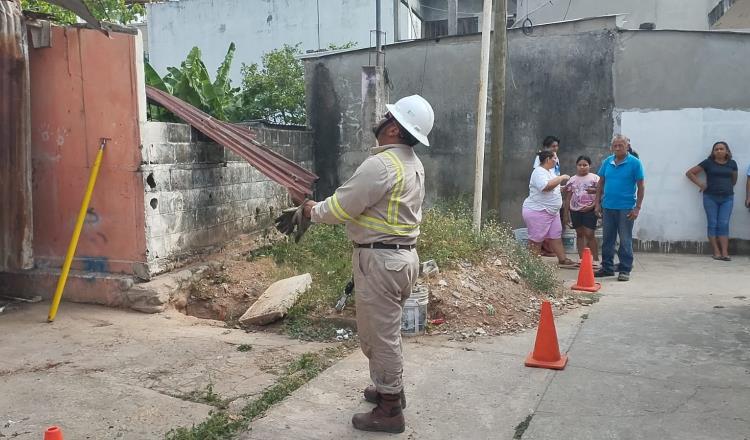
(16, 221)
(241, 140)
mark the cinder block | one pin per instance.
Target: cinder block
(231, 156)
(161, 153)
(153, 132)
(185, 153)
(180, 179)
(171, 202)
(205, 217)
(178, 132)
(214, 152)
(155, 226)
(155, 179)
(155, 248)
(151, 204)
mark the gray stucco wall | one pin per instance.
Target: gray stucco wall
(561, 86)
(198, 194)
(673, 93)
(669, 70)
(559, 82)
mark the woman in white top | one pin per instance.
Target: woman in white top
(541, 209)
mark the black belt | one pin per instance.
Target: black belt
(385, 246)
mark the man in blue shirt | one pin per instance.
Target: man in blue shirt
(619, 203)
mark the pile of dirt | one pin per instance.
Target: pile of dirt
(487, 298)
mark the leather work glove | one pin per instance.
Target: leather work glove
(285, 222)
(293, 221)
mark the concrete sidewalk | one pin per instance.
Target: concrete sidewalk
(664, 356)
(102, 373)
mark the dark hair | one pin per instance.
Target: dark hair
(544, 155)
(586, 158)
(726, 145)
(549, 140)
(407, 137)
(633, 152)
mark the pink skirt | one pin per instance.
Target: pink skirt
(542, 225)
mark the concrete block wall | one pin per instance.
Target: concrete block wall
(199, 194)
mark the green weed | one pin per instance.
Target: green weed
(447, 236)
(222, 426)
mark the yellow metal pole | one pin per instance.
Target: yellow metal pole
(76, 233)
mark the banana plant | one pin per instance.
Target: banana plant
(192, 83)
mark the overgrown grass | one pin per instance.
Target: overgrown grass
(325, 253)
(221, 425)
(447, 236)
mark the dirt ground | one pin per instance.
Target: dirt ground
(488, 298)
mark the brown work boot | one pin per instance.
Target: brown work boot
(372, 395)
(386, 417)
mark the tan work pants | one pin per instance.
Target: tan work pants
(383, 279)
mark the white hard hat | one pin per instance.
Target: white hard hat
(415, 114)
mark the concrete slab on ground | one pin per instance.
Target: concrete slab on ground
(455, 390)
(103, 373)
(664, 356)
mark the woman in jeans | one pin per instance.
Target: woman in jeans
(541, 209)
(718, 195)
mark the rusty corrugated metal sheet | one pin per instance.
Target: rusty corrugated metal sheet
(16, 219)
(241, 140)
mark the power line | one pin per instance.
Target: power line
(567, 9)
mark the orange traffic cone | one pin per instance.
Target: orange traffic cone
(586, 274)
(546, 351)
(53, 433)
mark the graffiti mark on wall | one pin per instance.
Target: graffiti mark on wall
(95, 264)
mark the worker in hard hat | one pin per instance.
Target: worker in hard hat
(381, 205)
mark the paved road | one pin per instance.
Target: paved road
(664, 356)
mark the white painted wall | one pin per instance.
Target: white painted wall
(667, 14)
(259, 26)
(669, 143)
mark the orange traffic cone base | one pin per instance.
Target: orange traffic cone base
(554, 365)
(594, 288)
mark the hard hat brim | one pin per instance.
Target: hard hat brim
(402, 120)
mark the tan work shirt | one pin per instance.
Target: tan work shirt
(382, 201)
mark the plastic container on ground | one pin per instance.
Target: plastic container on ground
(522, 236)
(414, 317)
(569, 241)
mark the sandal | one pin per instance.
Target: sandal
(567, 264)
(727, 258)
(717, 257)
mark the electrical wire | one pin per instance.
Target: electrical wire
(567, 9)
(471, 14)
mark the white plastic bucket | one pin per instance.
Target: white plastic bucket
(569, 241)
(414, 317)
(522, 236)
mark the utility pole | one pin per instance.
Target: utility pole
(497, 124)
(484, 66)
(452, 17)
(378, 40)
(396, 24)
